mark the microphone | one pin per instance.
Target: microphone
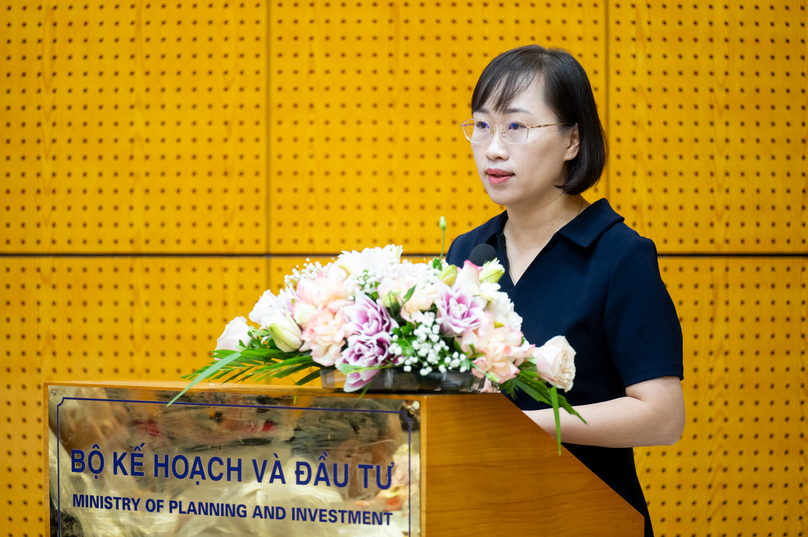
(482, 253)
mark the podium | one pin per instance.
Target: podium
(274, 460)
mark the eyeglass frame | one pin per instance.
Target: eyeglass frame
(501, 131)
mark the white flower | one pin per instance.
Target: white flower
(269, 301)
(235, 331)
(502, 308)
(489, 291)
(369, 259)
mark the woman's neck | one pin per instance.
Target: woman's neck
(533, 227)
(528, 232)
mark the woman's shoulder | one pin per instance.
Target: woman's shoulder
(622, 241)
(610, 235)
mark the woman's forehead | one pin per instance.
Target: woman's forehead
(528, 100)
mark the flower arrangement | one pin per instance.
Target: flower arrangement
(369, 310)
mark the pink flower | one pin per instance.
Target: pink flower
(395, 288)
(324, 336)
(459, 310)
(500, 350)
(555, 362)
(469, 276)
(327, 289)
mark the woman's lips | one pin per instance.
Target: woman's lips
(497, 176)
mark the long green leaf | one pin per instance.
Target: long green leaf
(531, 390)
(241, 374)
(208, 372)
(290, 371)
(308, 378)
(554, 399)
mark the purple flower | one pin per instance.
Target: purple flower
(459, 310)
(371, 327)
(367, 318)
(363, 351)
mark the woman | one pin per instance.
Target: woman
(572, 268)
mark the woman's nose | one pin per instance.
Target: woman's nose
(497, 148)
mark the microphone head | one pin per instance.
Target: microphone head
(482, 253)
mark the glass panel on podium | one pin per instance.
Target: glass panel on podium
(122, 462)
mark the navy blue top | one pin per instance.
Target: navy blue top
(597, 283)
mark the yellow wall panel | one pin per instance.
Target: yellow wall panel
(708, 124)
(366, 100)
(133, 127)
(123, 316)
(92, 318)
(740, 465)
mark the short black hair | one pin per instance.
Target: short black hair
(567, 93)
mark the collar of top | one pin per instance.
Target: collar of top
(583, 230)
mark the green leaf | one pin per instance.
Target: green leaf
(243, 373)
(206, 373)
(290, 371)
(308, 378)
(531, 390)
(554, 399)
(562, 401)
(409, 294)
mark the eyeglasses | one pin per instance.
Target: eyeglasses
(516, 132)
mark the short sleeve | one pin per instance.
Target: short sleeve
(642, 328)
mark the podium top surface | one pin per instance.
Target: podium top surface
(239, 387)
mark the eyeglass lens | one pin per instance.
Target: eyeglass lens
(480, 131)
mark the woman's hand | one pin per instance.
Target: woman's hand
(652, 413)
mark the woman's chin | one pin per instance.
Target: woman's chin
(499, 197)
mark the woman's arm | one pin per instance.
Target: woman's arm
(652, 413)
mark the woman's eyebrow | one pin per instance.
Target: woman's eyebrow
(506, 111)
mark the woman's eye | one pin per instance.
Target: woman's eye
(516, 127)
(481, 125)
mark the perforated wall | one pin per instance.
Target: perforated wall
(739, 468)
(161, 164)
(708, 124)
(135, 127)
(93, 318)
(366, 99)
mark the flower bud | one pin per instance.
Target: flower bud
(492, 271)
(442, 223)
(284, 330)
(390, 298)
(448, 275)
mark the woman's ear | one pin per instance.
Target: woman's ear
(574, 143)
